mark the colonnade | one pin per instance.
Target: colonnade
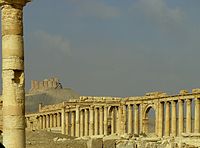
(49, 120)
(173, 116)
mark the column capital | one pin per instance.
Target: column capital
(180, 101)
(14, 2)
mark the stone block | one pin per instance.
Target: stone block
(95, 143)
(109, 143)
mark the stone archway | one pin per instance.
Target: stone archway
(149, 120)
(111, 120)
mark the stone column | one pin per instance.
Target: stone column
(136, 121)
(91, 121)
(54, 120)
(167, 119)
(81, 123)
(44, 121)
(173, 119)
(180, 117)
(130, 119)
(51, 120)
(13, 93)
(77, 120)
(73, 123)
(67, 123)
(113, 121)
(120, 121)
(188, 116)
(105, 120)
(63, 125)
(124, 119)
(160, 120)
(96, 126)
(47, 121)
(101, 120)
(58, 119)
(196, 118)
(41, 122)
(86, 122)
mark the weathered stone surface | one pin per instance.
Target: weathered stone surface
(95, 143)
(109, 143)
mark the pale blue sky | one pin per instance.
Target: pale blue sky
(114, 47)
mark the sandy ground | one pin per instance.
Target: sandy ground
(44, 139)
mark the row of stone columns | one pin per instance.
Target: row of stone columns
(49, 121)
(126, 119)
(174, 111)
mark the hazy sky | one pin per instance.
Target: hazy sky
(114, 47)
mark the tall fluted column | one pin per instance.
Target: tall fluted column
(113, 121)
(73, 124)
(101, 120)
(58, 119)
(63, 125)
(13, 93)
(67, 123)
(96, 124)
(44, 121)
(180, 117)
(91, 121)
(86, 122)
(136, 121)
(130, 119)
(77, 121)
(82, 123)
(160, 119)
(188, 116)
(196, 118)
(173, 119)
(105, 120)
(167, 119)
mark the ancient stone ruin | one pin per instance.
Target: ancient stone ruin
(104, 116)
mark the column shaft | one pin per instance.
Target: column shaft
(67, 123)
(181, 117)
(105, 120)
(96, 116)
(13, 78)
(51, 120)
(101, 121)
(167, 119)
(196, 118)
(113, 120)
(130, 119)
(160, 119)
(41, 122)
(59, 119)
(124, 119)
(86, 122)
(55, 120)
(91, 129)
(73, 123)
(44, 121)
(77, 121)
(188, 117)
(63, 125)
(47, 121)
(82, 123)
(136, 121)
(173, 119)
